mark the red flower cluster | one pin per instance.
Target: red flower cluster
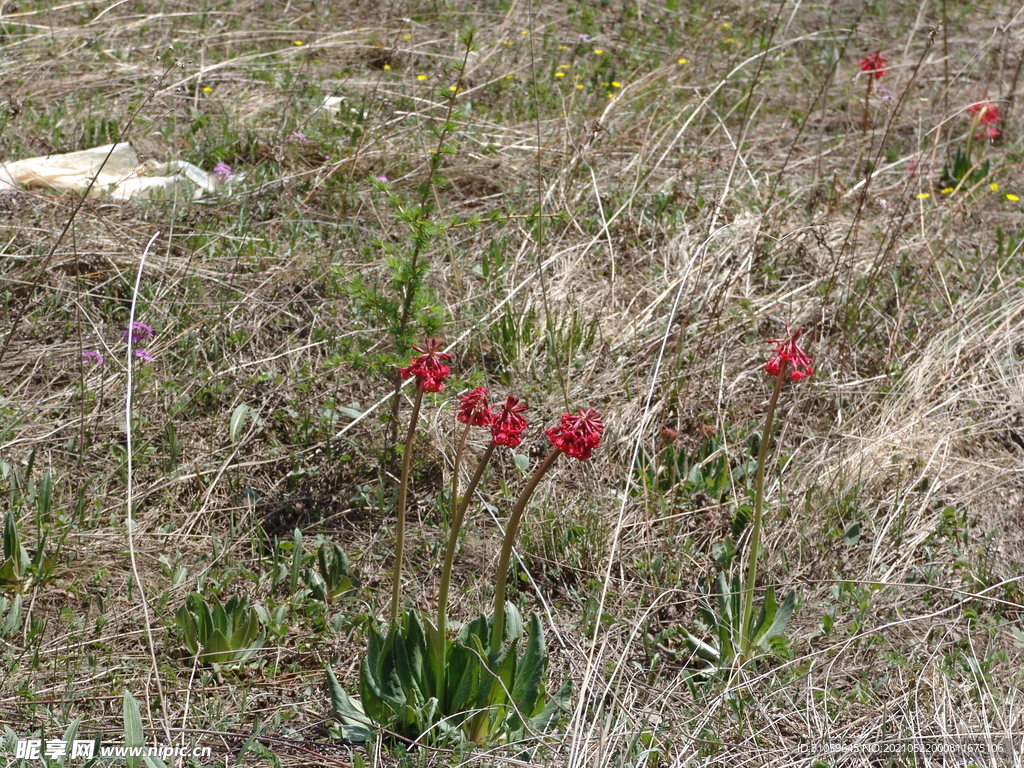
(577, 435)
(474, 408)
(986, 113)
(788, 353)
(874, 65)
(507, 425)
(429, 368)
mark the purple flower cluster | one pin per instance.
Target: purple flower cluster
(138, 331)
(223, 173)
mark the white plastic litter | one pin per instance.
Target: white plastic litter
(121, 174)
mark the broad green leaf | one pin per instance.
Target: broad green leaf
(187, 622)
(296, 559)
(513, 623)
(530, 675)
(782, 617)
(765, 617)
(852, 534)
(352, 717)
(418, 653)
(464, 668)
(237, 421)
(245, 632)
(703, 650)
(10, 571)
(12, 621)
(134, 736)
(12, 542)
(550, 715)
(217, 648)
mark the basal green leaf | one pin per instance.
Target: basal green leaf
(353, 719)
(237, 422)
(530, 675)
(778, 625)
(134, 736)
(552, 712)
(765, 616)
(703, 650)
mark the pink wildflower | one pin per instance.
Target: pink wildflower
(788, 353)
(223, 172)
(874, 65)
(136, 332)
(429, 368)
(507, 425)
(577, 435)
(474, 408)
(986, 113)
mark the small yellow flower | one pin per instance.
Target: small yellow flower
(726, 25)
(431, 151)
(421, 77)
(453, 88)
(579, 86)
(1012, 198)
(525, 32)
(994, 187)
(207, 89)
(563, 47)
(729, 40)
(616, 84)
(506, 42)
(564, 66)
(923, 196)
(611, 95)
(681, 61)
(598, 51)
(387, 66)
(407, 37)
(946, 190)
(510, 77)
(296, 42)
(559, 74)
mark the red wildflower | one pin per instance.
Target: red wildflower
(986, 113)
(474, 408)
(577, 435)
(989, 112)
(874, 65)
(507, 425)
(429, 368)
(789, 353)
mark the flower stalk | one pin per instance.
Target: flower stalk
(755, 532)
(874, 66)
(403, 495)
(498, 627)
(791, 361)
(455, 526)
(576, 435)
(430, 372)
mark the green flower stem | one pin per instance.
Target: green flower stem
(403, 495)
(498, 628)
(867, 100)
(458, 515)
(975, 124)
(755, 533)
